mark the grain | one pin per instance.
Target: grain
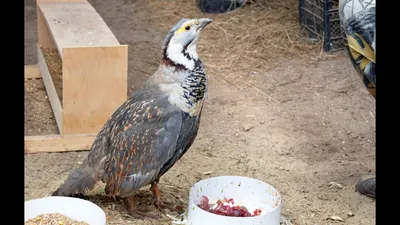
(53, 61)
(53, 219)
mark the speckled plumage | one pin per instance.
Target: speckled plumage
(357, 18)
(148, 133)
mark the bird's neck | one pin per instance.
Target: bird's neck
(186, 88)
(181, 75)
(182, 57)
(195, 84)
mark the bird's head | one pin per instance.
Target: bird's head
(179, 46)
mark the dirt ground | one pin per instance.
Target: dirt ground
(298, 121)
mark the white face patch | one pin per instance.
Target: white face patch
(174, 53)
(186, 35)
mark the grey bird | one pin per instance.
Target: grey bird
(153, 129)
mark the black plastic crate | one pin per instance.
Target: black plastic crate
(320, 18)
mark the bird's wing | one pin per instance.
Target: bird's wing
(360, 35)
(360, 32)
(143, 138)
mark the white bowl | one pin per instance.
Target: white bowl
(75, 208)
(245, 191)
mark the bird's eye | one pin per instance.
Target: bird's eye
(187, 27)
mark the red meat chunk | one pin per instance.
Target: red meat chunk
(226, 210)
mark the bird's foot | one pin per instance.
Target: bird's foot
(134, 212)
(141, 215)
(161, 205)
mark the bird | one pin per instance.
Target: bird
(220, 6)
(357, 19)
(152, 129)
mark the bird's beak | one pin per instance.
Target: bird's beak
(203, 22)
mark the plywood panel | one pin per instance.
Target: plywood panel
(77, 24)
(32, 72)
(45, 38)
(57, 143)
(58, 1)
(94, 86)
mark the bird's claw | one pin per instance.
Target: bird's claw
(141, 215)
(134, 212)
(161, 206)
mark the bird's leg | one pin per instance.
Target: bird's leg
(157, 196)
(131, 207)
(161, 205)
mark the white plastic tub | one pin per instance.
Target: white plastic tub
(75, 208)
(245, 191)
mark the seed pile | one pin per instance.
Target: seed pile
(53, 219)
(54, 64)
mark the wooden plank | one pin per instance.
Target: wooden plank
(58, 143)
(32, 72)
(58, 1)
(77, 24)
(51, 90)
(94, 86)
(45, 38)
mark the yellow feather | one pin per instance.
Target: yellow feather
(182, 29)
(190, 23)
(354, 53)
(367, 51)
(364, 63)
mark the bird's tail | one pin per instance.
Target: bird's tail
(79, 181)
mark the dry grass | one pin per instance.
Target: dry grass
(257, 37)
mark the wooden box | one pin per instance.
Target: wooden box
(94, 73)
